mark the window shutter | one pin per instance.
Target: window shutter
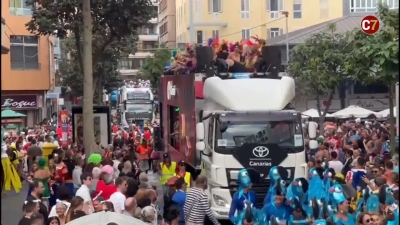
(268, 33)
(267, 5)
(220, 5)
(280, 31)
(210, 6)
(243, 34)
(281, 5)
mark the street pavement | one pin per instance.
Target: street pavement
(11, 205)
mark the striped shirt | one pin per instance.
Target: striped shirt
(197, 207)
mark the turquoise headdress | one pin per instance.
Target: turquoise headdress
(245, 178)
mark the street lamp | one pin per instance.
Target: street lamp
(286, 14)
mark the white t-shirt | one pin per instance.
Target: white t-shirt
(118, 200)
(336, 165)
(84, 193)
(3, 151)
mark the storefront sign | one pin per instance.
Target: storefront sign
(19, 101)
(370, 103)
(334, 105)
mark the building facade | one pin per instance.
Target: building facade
(235, 20)
(147, 44)
(28, 69)
(373, 97)
(167, 22)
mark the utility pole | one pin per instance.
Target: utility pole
(88, 124)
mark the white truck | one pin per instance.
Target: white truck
(247, 123)
(136, 104)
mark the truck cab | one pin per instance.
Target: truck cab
(233, 121)
(137, 104)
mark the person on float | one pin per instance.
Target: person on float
(181, 173)
(167, 170)
(10, 175)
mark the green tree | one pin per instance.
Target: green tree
(376, 57)
(105, 71)
(112, 24)
(318, 66)
(154, 66)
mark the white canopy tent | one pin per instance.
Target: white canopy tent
(313, 113)
(103, 218)
(386, 112)
(354, 111)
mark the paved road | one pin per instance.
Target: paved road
(11, 205)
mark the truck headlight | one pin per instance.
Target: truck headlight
(220, 201)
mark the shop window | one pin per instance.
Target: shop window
(375, 88)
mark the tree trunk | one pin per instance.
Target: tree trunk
(88, 125)
(392, 120)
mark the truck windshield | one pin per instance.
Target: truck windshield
(139, 108)
(283, 133)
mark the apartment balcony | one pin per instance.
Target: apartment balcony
(153, 20)
(130, 66)
(148, 37)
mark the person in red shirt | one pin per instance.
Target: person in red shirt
(115, 128)
(105, 186)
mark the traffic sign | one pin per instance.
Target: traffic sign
(370, 24)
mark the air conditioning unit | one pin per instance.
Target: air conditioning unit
(215, 16)
(274, 15)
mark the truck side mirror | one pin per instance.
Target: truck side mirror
(313, 144)
(200, 146)
(312, 129)
(200, 131)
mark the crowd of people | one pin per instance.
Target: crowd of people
(353, 179)
(238, 57)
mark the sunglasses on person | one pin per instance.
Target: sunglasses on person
(375, 171)
(369, 220)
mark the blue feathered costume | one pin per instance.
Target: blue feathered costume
(340, 193)
(243, 201)
(277, 175)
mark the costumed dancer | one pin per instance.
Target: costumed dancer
(53, 182)
(340, 208)
(10, 175)
(278, 208)
(277, 176)
(243, 200)
(43, 175)
(62, 175)
(316, 185)
(297, 194)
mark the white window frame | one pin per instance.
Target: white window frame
(300, 11)
(215, 34)
(280, 4)
(274, 32)
(323, 9)
(246, 34)
(369, 6)
(245, 9)
(24, 56)
(212, 3)
(25, 10)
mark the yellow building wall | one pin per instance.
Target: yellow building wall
(15, 80)
(259, 21)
